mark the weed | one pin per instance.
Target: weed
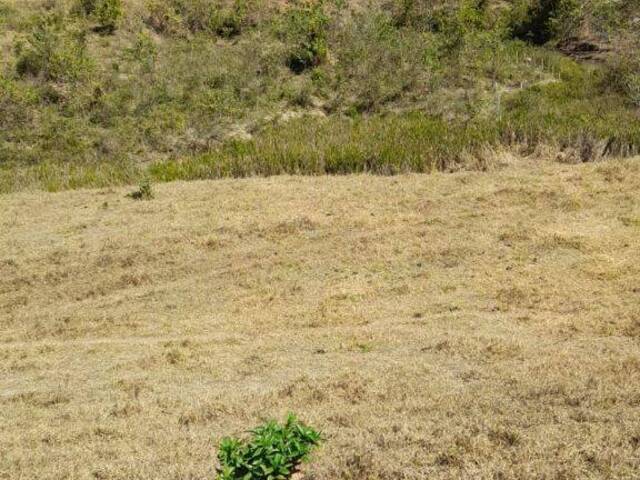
(623, 72)
(274, 451)
(162, 17)
(414, 14)
(378, 64)
(144, 192)
(5, 12)
(230, 22)
(144, 52)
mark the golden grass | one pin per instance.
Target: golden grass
(468, 325)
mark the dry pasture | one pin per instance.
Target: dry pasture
(447, 326)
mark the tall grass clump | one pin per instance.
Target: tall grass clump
(382, 145)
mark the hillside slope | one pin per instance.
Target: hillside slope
(109, 92)
(466, 325)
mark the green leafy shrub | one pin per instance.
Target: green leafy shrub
(54, 51)
(455, 25)
(307, 28)
(273, 452)
(106, 13)
(540, 21)
(471, 14)
(623, 69)
(566, 19)
(623, 76)
(17, 105)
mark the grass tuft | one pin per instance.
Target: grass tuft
(144, 192)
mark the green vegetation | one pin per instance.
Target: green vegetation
(53, 51)
(106, 13)
(104, 92)
(144, 192)
(179, 17)
(306, 25)
(273, 452)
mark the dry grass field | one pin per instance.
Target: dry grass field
(468, 325)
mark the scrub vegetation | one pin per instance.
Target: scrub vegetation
(439, 272)
(107, 92)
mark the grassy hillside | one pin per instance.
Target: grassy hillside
(103, 92)
(451, 326)
(482, 323)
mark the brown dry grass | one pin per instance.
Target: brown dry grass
(469, 325)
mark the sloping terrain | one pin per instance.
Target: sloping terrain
(467, 325)
(97, 93)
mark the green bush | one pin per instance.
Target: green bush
(54, 51)
(306, 28)
(230, 22)
(17, 103)
(217, 17)
(541, 21)
(106, 13)
(273, 453)
(566, 19)
(377, 64)
(455, 25)
(471, 14)
(624, 77)
(623, 69)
